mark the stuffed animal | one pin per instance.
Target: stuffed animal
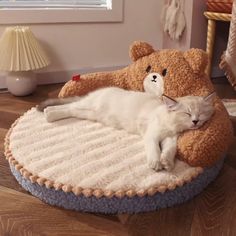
(176, 74)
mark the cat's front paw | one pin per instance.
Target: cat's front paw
(167, 162)
(155, 164)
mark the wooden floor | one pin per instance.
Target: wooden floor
(213, 212)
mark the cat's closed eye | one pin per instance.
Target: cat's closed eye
(187, 113)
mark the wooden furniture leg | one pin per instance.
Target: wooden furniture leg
(210, 43)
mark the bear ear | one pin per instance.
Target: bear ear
(197, 59)
(140, 49)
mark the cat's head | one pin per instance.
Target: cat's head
(192, 111)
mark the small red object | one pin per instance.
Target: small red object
(76, 78)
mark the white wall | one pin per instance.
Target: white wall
(184, 42)
(196, 27)
(196, 32)
(88, 45)
(84, 47)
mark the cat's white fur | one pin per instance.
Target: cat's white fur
(158, 121)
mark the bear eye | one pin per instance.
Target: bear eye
(164, 72)
(148, 69)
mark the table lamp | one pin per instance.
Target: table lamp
(20, 55)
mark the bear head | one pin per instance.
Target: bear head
(172, 72)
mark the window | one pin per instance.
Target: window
(56, 3)
(60, 11)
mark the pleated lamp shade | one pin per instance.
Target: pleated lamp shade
(20, 50)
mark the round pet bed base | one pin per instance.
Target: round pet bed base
(116, 205)
(85, 166)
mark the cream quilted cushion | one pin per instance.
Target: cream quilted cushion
(88, 155)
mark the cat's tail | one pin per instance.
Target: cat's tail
(56, 102)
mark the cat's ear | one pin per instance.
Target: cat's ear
(169, 102)
(210, 98)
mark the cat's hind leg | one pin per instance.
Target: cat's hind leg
(54, 113)
(84, 113)
(56, 102)
(168, 152)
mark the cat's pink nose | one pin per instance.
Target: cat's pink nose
(195, 121)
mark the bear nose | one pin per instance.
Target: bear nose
(154, 76)
(195, 121)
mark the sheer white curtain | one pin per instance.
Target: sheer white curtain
(55, 3)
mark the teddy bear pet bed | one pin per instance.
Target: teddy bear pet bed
(85, 166)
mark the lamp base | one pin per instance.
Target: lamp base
(21, 83)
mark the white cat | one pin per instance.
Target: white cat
(159, 121)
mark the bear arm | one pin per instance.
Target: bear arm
(205, 146)
(93, 81)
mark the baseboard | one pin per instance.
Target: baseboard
(62, 76)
